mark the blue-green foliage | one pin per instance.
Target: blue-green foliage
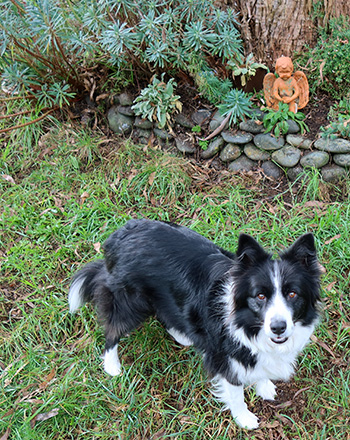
(49, 41)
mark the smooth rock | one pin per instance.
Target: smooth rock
(293, 127)
(251, 126)
(268, 142)
(332, 173)
(125, 99)
(242, 164)
(145, 124)
(337, 145)
(299, 141)
(295, 172)
(342, 160)
(200, 116)
(119, 123)
(126, 110)
(287, 156)
(255, 153)
(316, 159)
(271, 169)
(184, 144)
(162, 134)
(214, 147)
(237, 138)
(142, 133)
(216, 121)
(183, 120)
(230, 153)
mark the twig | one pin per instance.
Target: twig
(15, 98)
(217, 130)
(16, 114)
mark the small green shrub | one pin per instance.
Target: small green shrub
(157, 101)
(49, 41)
(237, 104)
(277, 120)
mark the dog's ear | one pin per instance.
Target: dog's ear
(304, 251)
(249, 250)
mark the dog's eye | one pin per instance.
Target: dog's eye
(261, 296)
(292, 294)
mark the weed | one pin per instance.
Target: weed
(277, 120)
(157, 101)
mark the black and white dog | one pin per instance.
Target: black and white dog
(249, 315)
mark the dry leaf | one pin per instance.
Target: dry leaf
(8, 178)
(97, 247)
(44, 416)
(84, 196)
(151, 178)
(6, 434)
(332, 239)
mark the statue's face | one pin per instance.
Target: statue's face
(284, 70)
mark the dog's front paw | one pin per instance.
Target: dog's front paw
(111, 363)
(247, 420)
(266, 389)
(112, 370)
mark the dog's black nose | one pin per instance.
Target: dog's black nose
(278, 327)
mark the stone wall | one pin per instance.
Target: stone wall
(243, 149)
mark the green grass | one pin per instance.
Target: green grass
(71, 190)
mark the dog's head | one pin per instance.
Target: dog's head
(275, 299)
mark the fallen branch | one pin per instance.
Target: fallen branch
(15, 127)
(219, 129)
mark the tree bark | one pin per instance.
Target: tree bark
(272, 28)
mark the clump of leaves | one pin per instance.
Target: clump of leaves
(236, 106)
(276, 120)
(157, 101)
(244, 68)
(47, 46)
(339, 115)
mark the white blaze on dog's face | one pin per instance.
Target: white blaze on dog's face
(278, 322)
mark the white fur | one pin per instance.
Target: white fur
(179, 337)
(74, 297)
(266, 389)
(111, 362)
(233, 397)
(278, 308)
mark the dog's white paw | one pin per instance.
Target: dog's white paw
(266, 389)
(111, 363)
(247, 420)
(112, 370)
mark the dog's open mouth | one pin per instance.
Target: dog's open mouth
(279, 340)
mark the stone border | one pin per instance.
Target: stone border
(244, 149)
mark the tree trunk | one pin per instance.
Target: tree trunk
(272, 28)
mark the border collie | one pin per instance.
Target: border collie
(248, 314)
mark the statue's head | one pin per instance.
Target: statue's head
(284, 67)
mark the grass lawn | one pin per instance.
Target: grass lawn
(59, 202)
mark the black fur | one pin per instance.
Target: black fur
(185, 280)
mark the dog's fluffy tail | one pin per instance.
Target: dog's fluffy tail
(85, 283)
